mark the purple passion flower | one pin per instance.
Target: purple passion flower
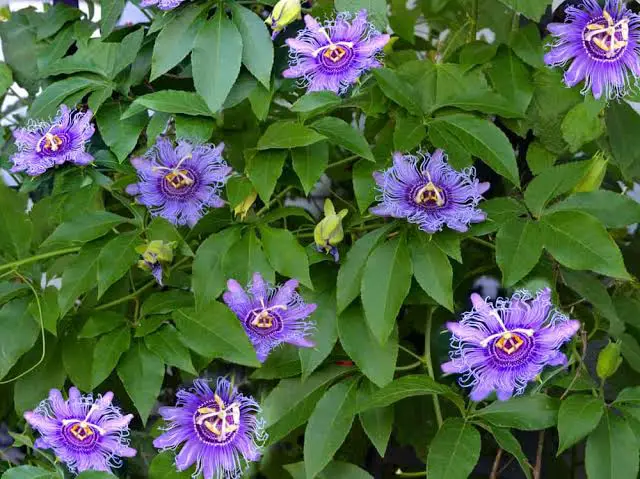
(43, 145)
(333, 56)
(221, 431)
(84, 432)
(161, 4)
(602, 46)
(271, 316)
(179, 184)
(428, 192)
(503, 347)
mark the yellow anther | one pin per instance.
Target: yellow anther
(81, 431)
(430, 193)
(217, 420)
(335, 53)
(178, 178)
(509, 342)
(51, 142)
(263, 320)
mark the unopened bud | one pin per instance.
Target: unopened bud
(244, 206)
(284, 13)
(593, 177)
(609, 360)
(328, 233)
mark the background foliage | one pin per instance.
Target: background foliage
(369, 400)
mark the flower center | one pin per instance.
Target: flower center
(430, 194)
(222, 421)
(49, 142)
(606, 38)
(178, 179)
(81, 431)
(263, 320)
(335, 53)
(509, 342)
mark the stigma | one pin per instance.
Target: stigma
(178, 178)
(335, 53)
(509, 342)
(430, 193)
(216, 420)
(263, 320)
(81, 431)
(51, 142)
(605, 36)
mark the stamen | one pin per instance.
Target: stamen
(528, 332)
(263, 320)
(216, 421)
(51, 142)
(178, 178)
(608, 41)
(430, 193)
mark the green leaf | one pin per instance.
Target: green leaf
(30, 389)
(15, 225)
(79, 277)
(309, 162)
(163, 466)
(526, 43)
(385, 283)
(592, 290)
(291, 393)
(110, 13)
(519, 245)
(509, 443)
(28, 472)
(341, 133)
(156, 127)
(169, 101)
(47, 103)
(246, 257)
(176, 39)
(377, 423)
(316, 101)
(531, 10)
(398, 90)
(454, 451)
(208, 279)
(55, 17)
(95, 475)
(376, 10)
(116, 258)
(260, 100)
(141, 373)
(480, 138)
(325, 334)
(528, 413)
(285, 254)
(364, 186)
(215, 59)
(77, 358)
(215, 332)
(511, 78)
(166, 302)
(20, 48)
(107, 353)
(334, 470)
(376, 361)
(622, 124)
(283, 362)
(612, 450)
(579, 241)
(614, 210)
(101, 322)
(257, 47)
(197, 129)
(87, 227)
(288, 134)
(630, 351)
(20, 333)
(539, 158)
(578, 416)
(263, 169)
(6, 78)
(98, 97)
(582, 125)
(329, 425)
(405, 387)
(408, 133)
(432, 269)
(166, 343)
(121, 135)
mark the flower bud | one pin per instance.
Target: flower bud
(244, 206)
(328, 233)
(609, 360)
(154, 253)
(593, 177)
(284, 13)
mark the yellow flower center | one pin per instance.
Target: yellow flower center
(430, 193)
(263, 320)
(81, 431)
(609, 37)
(51, 142)
(509, 342)
(216, 420)
(335, 53)
(178, 178)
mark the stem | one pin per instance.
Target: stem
(538, 469)
(343, 161)
(408, 367)
(496, 465)
(275, 199)
(583, 339)
(411, 353)
(399, 473)
(427, 358)
(31, 259)
(474, 19)
(482, 242)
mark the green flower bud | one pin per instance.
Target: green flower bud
(284, 13)
(593, 177)
(157, 251)
(609, 360)
(329, 232)
(244, 206)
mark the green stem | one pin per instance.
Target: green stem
(38, 257)
(410, 474)
(409, 367)
(275, 199)
(482, 242)
(474, 19)
(411, 353)
(349, 159)
(427, 357)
